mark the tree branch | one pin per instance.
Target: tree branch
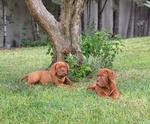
(103, 6)
(76, 17)
(44, 18)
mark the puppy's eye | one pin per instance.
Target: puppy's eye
(103, 76)
(57, 68)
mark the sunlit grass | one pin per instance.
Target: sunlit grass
(53, 105)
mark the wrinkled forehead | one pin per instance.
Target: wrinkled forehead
(103, 73)
(61, 65)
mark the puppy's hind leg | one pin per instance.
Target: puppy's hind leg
(29, 83)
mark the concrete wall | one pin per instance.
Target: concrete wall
(20, 25)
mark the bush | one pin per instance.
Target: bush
(77, 73)
(101, 45)
(28, 43)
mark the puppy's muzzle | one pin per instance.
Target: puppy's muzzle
(100, 83)
(63, 74)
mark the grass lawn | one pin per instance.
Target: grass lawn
(50, 104)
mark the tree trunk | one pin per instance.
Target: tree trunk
(82, 23)
(100, 11)
(88, 13)
(148, 24)
(136, 26)
(4, 23)
(130, 20)
(64, 35)
(99, 15)
(115, 17)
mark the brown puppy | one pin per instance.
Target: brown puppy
(105, 85)
(57, 75)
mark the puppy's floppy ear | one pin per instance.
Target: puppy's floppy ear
(68, 68)
(112, 75)
(53, 69)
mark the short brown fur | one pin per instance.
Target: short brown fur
(105, 85)
(57, 74)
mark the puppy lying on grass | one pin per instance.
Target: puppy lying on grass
(105, 85)
(57, 74)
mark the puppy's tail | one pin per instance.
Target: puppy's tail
(23, 78)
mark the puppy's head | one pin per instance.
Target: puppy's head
(59, 68)
(105, 76)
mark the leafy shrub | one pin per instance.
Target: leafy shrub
(28, 43)
(25, 43)
(49, 50)
(76, 72)
(102, 45)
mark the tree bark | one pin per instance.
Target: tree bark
(115, 17)
(88, 13)
(64, 35)
(136, 26)
(4, 24)
(148, 24)
(99, 15)
(100, 11)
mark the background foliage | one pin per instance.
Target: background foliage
(28, 43)
(101, 45)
